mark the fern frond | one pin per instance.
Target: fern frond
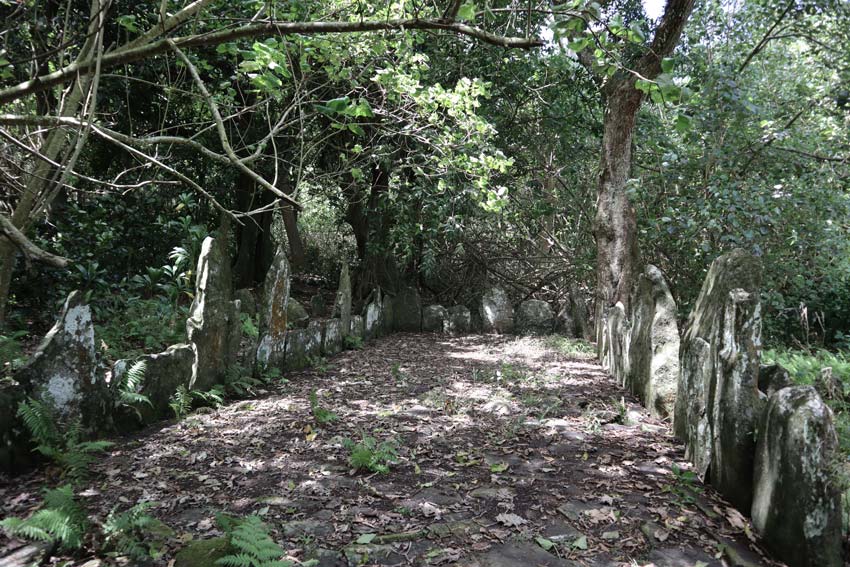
(40, 420)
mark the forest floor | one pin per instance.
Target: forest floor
(510, 451)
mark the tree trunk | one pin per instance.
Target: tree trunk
(293, 236)
(615, 225)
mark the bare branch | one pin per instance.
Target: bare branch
(26, 246)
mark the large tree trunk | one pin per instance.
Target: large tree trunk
(254, 235)
(293, 236)
(615, 223)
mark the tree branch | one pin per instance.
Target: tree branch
(26, 246)
(132, 53)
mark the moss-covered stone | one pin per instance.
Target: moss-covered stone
(202, 553)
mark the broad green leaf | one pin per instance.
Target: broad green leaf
(365, 539)
(546, 544)
(466, 12)
(667, 65)
(580, 542)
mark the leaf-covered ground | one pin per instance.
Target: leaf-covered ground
(511, 451)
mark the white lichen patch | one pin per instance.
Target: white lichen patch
(62, 389)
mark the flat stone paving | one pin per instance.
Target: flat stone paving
(511, 451)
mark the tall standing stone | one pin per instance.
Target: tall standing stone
(213, 325)
(372, 317)
(343, 299)
(654, 349)
(534, 317)
(273, 312)
(718, 399)
(434, 318)
(796, 504)
(63, 370)
(617, 336)
(407, 310)
(497, 313)
(459, 320)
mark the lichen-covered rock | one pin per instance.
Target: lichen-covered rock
(274, 315)
(372, 315)
(459, 320)
(332, 337)
(407, 310)
(63, 370)
(434, 318)
(796, 505)
(296, 315)
(247, 301)
(534, 317)
(718, 399)
(342, 307)
(203, 553)
(164, 373)
(497, 313)
(617, 342)
(213, 325)
(387, 313)
(303, 346)
(578, 308)
(654, 350)
(357, 328)
(773, 378)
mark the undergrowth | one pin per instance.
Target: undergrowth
(371, 455)
(60, 520)
(251, 543)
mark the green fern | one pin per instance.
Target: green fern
(72, 455)
(180, 402)
(371, 455)
(60, 519)
(253, 546)
(320, 414)
(134, 533)
(130, 386)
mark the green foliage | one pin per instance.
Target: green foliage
(134, 532)
(183, 400)
(320, 414)
(352, 342)
(11, 357)
(130, 385)
(249, 329)
(371, 455)
(64, 447)
(144, 325)
(251, 542)
(60, 519)
(571, 347)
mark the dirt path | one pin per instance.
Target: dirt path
(505, 447)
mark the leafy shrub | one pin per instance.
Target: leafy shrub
(183, 400)
(371, 455)
(352, 342)
(144, 325)
(320, 414)
(253, 546)
(60, 519)
(249, 329)
(66, 449)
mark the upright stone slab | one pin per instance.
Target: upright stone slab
(164, 373)
(718, 399)
(343, 298)
(63, 370)
(459, 320)
(357, 328)
(303, 346)
(579, 312)
(796, 505)
(332, 337)
(617, 342)
(387, 313)
(654, 349)
(407, 310)
(372, 315)
(296, 315)
(213, 325)
(497, 314)
(534, 317)
(274, 312)
(434, 318)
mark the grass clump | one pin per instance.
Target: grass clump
(579, 348)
